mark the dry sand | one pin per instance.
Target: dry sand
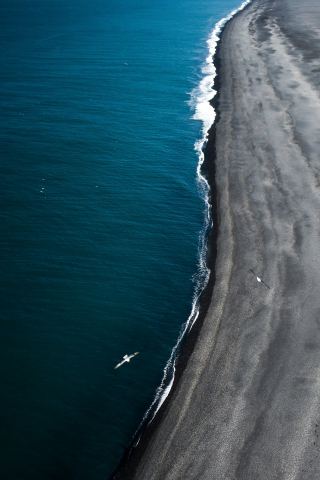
(247, 405)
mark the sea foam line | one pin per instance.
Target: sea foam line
(200, 102)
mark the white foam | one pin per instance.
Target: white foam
(199, 101)
(201, 95)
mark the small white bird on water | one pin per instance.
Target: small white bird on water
(126, 358)
(259, 279)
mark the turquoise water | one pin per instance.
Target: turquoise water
(100, 220)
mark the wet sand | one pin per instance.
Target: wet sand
(247, 403)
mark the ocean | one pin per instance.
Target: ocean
(103, 216)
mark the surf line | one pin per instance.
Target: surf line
(200, 102)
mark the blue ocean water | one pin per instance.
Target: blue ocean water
(100, 220)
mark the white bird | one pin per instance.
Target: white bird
(259, 279)
(126, 358)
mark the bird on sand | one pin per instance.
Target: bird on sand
(259, 279)
(126, 358)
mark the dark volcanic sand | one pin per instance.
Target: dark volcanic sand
(247, 405)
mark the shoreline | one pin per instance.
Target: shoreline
(246, 395)
(127, 467)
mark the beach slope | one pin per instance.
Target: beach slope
(247, 405)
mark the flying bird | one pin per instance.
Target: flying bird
(259, 279)
(126, 358)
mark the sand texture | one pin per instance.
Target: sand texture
(247, 405)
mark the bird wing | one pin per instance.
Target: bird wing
(119, 364)
(133, 355)
(265, 284)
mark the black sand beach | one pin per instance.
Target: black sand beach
(246, 399)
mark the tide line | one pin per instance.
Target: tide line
(200, 102)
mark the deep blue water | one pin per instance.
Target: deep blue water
(100, 220)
